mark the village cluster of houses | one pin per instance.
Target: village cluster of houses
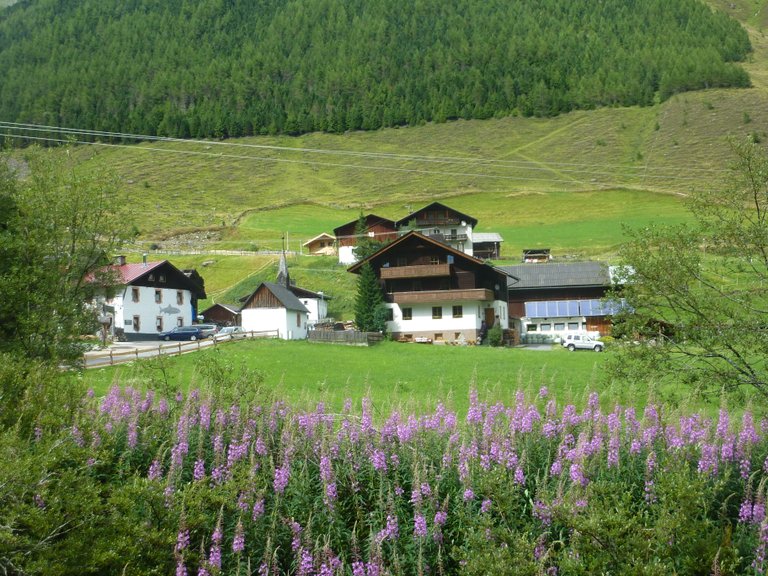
(434, 272)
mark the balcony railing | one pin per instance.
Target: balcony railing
(426, 296)
(420, 271)
(455, 237)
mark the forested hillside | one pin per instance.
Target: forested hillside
(217, 68)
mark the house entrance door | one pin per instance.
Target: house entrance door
(490, 317)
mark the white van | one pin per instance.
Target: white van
(582, 342)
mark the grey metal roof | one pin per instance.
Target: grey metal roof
(557, 275)
(286, 297)
(486, 237)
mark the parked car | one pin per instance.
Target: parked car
(582, 342)
(209, 330)
(231, 333)
(182, 333)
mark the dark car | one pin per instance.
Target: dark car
(182, 333)
(209, 330)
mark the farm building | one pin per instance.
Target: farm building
(434, 292)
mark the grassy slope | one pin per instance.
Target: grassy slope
(569, 183)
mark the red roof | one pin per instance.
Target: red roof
(130, 272)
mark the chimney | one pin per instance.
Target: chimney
(120, 260)
(144, 259)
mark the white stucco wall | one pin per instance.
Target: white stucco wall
(464, 246)
(148, 310)
(280, 319)
(346, 255)
(318, 309)
(473, 313)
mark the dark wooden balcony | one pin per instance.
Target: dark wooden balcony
(426, 296)
(420, 271)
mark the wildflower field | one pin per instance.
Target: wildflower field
(231, 482)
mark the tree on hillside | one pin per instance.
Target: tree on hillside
(370, 312)
(698, 293)
(59, 227)
(365, 245)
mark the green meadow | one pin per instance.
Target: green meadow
(408, 377)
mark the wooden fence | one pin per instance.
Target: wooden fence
(349, 337)
(112, 357)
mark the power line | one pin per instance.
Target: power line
(476, 162)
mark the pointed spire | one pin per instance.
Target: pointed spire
(283, 277)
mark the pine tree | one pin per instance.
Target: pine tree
(369, 303)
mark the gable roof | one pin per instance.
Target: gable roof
(557, 275)
(409, 236)
(287, 298)
(323, 236)
(232, 308)
(371, 220)
(128, 273)
(131, 273)
(478, 237)
(304, 293)
(436, 206)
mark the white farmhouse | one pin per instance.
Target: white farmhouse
(149, 298)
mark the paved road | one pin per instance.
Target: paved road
(121, 352)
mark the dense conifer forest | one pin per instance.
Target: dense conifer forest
(228, 68)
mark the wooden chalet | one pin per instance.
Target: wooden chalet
(381, 229)
(435, 292)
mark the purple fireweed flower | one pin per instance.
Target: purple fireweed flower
(708, 459)
(326, 472)
(758, 511)
(358, 568)
(182, 540)
(468, 495)
(306, 564)
(542, 512)
(155, 470)
(331, 493)
(475, 412)
(296, 529)
(745, 511)
(282, 476)
(650, 467)
(557, 468)
(390, 531)
(419, 526)
(162, 407)
(577, 474)
(39, 501)
(440, 517)
(258, 509)
(543, 392)
(485, 506)
(519, 476)
(759, 562)
(613, 451)
(238, 543)
(181, 569)
(379, 460)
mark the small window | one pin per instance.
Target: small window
(298, 319)
(158, 296)
(434, 260)
(438, 337)
(136, 323)
(546, 327)
(531, 327)
(457, 335)
(179, 297)
(159, 323)
(573, 325)
(135, 294)
(390, 315)
(560, 326)
(407, 313)
(179, 321)
(151, 277)
(437, 312)
(162, 278)
(458, 312)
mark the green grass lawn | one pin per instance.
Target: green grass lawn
(393, 375)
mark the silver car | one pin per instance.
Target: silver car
(231, 333)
